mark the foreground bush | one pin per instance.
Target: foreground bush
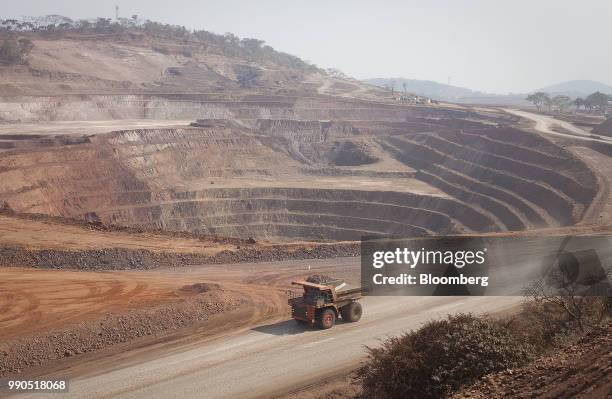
(555, 319)
(440, 357)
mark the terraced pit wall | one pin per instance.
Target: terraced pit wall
(522, 178)
(250, 176)
(184, 106)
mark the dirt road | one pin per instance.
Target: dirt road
(545, 124)
(274, 358)
(259, 355)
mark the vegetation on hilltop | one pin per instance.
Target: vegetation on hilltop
(229, 45)
(595, 102)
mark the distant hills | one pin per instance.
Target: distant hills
(444, 92)
(577, 88)
(427, 88)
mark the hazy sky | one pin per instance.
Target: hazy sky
(489, 45)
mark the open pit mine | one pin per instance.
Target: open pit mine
(279, 169)
(161, 190)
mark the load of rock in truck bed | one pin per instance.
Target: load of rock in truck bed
(326, 280)
(319, 279)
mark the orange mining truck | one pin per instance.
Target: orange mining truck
(321, 304)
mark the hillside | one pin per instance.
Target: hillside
(605, 128)
(119, 58)
(581, 370)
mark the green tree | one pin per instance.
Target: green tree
(102, 25)
(9, 52)
(15, 51)
(9, 24)
(561, 102)
(597, 100)
(83, 25)
(579, 102)
(539, 99)
(25, 47)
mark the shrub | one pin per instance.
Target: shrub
(187, 52)
(161, 49)
(557, 320)
(555, 309)
(246, 75)
(14, 51)
(440, 357)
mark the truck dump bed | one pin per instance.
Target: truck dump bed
(352, 293)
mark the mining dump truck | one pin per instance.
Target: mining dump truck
(321, 304)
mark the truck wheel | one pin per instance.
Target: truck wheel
(351, 312)
(326, 319)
